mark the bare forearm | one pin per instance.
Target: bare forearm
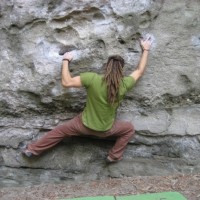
(136, 74)
(67, 79)
(143, 62)
(66, 76)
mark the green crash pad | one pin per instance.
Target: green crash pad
(93, 198)
(154, 196)
(149, 196)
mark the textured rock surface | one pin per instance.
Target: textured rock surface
(164, 106)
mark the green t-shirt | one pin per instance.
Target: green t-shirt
(98, 114)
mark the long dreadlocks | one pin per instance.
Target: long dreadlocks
(113, 76)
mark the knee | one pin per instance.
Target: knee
(131, 129)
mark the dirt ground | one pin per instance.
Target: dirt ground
(187, 185)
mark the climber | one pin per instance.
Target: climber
(104, 95)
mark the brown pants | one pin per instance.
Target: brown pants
(123, 131)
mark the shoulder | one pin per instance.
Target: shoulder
(128, 82)
(88, 74)
(129, 79)
(87, 77)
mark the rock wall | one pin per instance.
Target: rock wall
(164, 106)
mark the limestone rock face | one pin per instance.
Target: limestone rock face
(164, 107)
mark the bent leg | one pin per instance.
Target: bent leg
(69, 128)
(124, 132)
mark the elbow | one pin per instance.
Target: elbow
(65, 84)
(140, 73)
(137, 74)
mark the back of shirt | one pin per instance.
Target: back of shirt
(98, 114)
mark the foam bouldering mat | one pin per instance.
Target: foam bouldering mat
(154, 196)
(93, 198)
(149, 196)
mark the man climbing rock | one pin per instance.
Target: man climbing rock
(104, 95)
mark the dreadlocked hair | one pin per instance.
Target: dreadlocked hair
(113, 76)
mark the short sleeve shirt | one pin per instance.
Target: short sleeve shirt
(98, 113)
